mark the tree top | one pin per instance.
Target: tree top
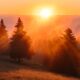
(68, 30)
(2, 23)
(19, 24)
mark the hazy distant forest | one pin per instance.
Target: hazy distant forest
(63, 56)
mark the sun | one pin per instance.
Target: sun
(45, 13)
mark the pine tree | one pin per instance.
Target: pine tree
(69, 37)
(65, 60)
(4, 41)
(72, 50)
(19, 43)
(70, 43)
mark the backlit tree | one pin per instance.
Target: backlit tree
(19, 46)
(65, 59)
(4, 41)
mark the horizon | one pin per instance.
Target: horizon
(11, 20)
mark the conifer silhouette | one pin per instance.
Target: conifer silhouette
(65, 60)
(19, 46)
(4, 40)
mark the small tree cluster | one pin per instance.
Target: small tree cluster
(18, 46)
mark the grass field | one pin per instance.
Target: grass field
(12, 71)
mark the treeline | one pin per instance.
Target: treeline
(18, 45)
(64, 56)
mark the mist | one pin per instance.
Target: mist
(42, 32)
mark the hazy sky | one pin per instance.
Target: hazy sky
(24, 7)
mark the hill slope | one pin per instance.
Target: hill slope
(11, 71)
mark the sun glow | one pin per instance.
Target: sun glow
(45, 13)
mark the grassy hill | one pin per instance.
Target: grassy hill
(12, 71)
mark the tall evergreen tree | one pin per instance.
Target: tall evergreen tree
(70, 38)
(19, 43)
(71, 43)
(72, 50)
(4, 41)
(65, 60)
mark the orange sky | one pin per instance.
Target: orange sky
(24, 7)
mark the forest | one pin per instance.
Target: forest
(62, 56)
